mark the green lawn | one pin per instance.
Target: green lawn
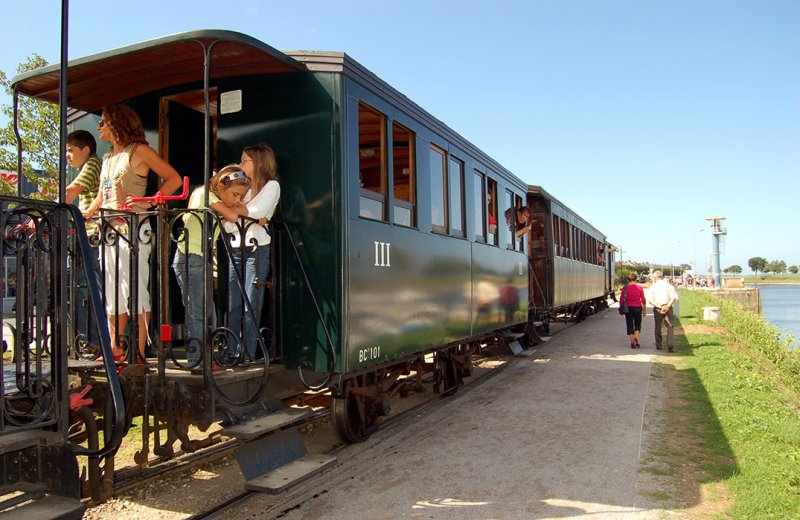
(734, 428)
(768, 278)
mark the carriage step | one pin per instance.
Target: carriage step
(15, 494)
(253, 429)
(27, 439)
(284, 477)
(276, 461)
(36, 506)
(516, 348)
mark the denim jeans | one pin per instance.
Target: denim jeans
(189, 272)
(256, 267)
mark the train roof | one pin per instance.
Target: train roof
(108, 77)
(118, 74)
(538, 190)
(340, 62)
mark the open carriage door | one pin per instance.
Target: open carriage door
(181, 127)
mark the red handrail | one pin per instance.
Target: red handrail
(160, 199)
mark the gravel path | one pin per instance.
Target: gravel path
(562, 432)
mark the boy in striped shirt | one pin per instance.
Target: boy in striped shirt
(82, 154)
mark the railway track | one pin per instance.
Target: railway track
(315, 430)
(485, 368)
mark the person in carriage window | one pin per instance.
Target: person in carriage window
(123, 176)
(523, 221)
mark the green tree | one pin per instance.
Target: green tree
(38, 127)
(757, 264)
(776, 266)
(734, 269)
(793, 269)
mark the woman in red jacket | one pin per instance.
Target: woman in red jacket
(633, 295)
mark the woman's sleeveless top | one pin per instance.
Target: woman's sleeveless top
(118, 180)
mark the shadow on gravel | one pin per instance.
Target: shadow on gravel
(690, 448)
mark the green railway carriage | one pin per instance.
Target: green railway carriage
(387, 244)
(395, 252)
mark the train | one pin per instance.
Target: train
(399, 250)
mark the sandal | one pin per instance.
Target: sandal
(119, 361)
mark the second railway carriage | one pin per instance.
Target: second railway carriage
(394, 247)
(571, 263)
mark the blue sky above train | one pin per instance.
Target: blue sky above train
(644, 118)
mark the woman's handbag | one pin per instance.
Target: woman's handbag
(623, 302)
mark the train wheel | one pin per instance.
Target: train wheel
(351, 416)
(544, 328)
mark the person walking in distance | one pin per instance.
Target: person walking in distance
(663, 297)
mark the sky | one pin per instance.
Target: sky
(643, 116)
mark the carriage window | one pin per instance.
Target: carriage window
(585, 247)
(491, 202)
(574, 242)
(519, 243)
(556, 237)
(456, 178)
(405, 177)
(511, 219)
(479, 206)
(565, 239)
(538, 241)
(438, 182)
(372, 162)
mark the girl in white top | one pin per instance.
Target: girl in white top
(251, 258)
(123, 176)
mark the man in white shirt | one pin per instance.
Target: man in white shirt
(663, 297)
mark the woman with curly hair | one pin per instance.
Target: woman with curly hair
(123, 176)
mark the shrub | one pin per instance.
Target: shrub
(752, 331)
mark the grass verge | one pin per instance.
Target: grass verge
(731, 429)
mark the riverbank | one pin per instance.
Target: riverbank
(769, 280)
(732, 423)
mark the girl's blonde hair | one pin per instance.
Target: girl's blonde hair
(227, 177)
(265, 167)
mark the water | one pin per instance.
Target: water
(781, 306)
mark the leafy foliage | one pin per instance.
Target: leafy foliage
(776, 266)
(39, 131)
(793, 269)
(751, 380)
(752, 330)
(734, 269)
(757, 264)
